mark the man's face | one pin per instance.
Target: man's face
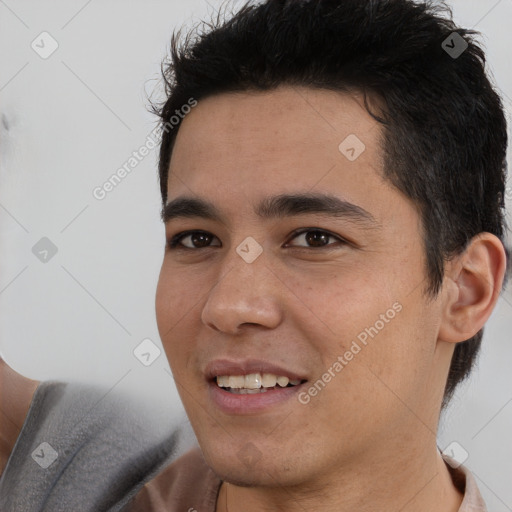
(331, 300)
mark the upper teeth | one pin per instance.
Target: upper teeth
(254, 381)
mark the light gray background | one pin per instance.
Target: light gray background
(68, 123)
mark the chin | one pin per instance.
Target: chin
(247, 468)
(244, 477)
(241, 481)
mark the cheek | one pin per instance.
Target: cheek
(370, 319)
(178, 294)
(395, 349)
(180, 297)
(335, 305)
(174, 305)
(164, 300)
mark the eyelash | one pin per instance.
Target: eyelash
(174, 242)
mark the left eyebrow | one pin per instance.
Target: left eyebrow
(284, 205)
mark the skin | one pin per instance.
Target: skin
(301, 304)
(16, 394)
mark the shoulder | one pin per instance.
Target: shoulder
(83, 448)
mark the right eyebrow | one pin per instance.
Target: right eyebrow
(284, 205)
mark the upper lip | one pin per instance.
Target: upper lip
(220, 367)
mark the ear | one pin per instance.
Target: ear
(471, 287)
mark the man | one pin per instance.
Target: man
(333, 207)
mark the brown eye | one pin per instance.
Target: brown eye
(195, 240)
(316, 238)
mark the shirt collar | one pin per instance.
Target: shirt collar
(466, 483)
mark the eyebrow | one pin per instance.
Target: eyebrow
(284, 205)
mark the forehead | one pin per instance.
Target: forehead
(278, 121)
(287, 140)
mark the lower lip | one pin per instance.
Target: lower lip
(232, 403)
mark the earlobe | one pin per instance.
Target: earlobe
(471, 288)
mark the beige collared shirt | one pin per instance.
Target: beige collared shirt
(189, 484)
(465, 482)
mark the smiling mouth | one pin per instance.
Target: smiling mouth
(254, 383)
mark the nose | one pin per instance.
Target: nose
(246, 294)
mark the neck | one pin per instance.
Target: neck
(16, 394)
(411, 481)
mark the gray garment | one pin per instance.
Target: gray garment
(104, 451)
